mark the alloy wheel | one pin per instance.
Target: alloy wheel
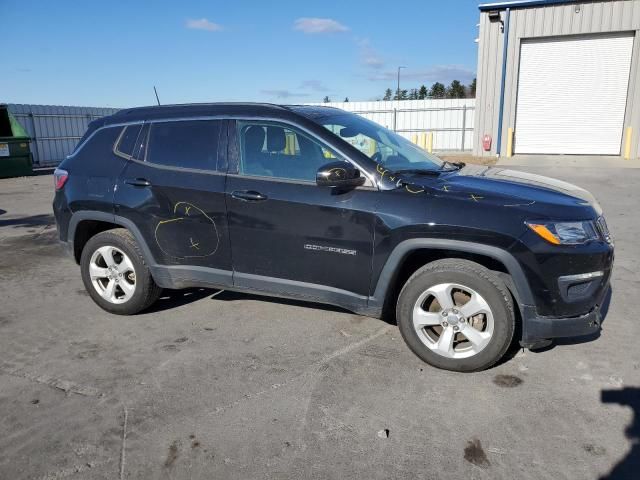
(453, 320)
(112, 274)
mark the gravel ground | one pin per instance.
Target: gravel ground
(224, 385)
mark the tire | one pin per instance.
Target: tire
(133, 287)
(448, 344)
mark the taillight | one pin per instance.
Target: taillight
(60, 177)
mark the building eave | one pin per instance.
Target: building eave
(520, 4)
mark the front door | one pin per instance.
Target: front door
(288, 234)
(173, 191)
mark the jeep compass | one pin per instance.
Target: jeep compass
(319, 204)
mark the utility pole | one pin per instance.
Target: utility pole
(398, 91)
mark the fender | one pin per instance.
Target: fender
(519, 283)
(97, 215)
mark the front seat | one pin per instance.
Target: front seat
(254, 159)
(278, 160)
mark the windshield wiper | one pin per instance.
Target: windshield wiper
(419, 171)
(447, 165)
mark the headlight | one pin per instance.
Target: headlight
(565, 233)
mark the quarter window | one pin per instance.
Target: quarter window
(272, 150)
(185, 144)
(127, 140)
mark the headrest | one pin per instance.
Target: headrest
(276, 140)
(254, 138)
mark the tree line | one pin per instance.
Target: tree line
(438, 90)
(456, 89)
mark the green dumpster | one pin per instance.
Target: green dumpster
(15, 154)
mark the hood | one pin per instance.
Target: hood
(506, 187)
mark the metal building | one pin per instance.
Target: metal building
(558, 77)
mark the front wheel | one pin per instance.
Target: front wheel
(456, 315)
(115, 275)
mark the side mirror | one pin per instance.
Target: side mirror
(339, 174)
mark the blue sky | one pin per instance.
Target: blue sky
(112, 52)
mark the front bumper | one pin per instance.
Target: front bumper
(537, 328)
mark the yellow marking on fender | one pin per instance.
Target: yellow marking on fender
(381, 172)
(194, 244)
(475, 198)
(412, 191)
(445, 188)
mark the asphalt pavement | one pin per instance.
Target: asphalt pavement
(215, 384)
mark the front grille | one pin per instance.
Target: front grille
(603, 229)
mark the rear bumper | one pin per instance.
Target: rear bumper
(536, 328)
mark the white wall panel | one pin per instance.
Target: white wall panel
(444, 117)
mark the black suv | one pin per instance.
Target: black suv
(320, 204)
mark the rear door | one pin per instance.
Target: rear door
(172, 189)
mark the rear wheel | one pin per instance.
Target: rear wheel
(456, 315)
(115, 275)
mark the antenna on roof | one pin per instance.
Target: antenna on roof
(156, 92)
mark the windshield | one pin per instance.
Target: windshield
(390, 150)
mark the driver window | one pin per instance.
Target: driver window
(274, 150)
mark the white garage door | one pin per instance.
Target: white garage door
(572, 95)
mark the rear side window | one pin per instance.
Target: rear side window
(186, 144)
(127, 141)
(100, 144)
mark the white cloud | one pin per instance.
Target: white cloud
(203, 24)
(283, 93)
(369, 57)
(318, 25)
(315, 85)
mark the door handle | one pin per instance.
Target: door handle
(138, 182)
(249, 196)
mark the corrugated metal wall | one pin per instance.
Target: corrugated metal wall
(446, 118)
(54, 129)
(573, 18)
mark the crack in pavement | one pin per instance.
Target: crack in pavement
(309, 372)
(57, 383)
